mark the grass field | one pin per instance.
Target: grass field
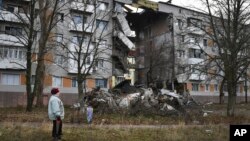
(178, 133)
(214, 127)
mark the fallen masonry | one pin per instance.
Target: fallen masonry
(135, 100)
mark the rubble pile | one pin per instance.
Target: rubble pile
(133, 100)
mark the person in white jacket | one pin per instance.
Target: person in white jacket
(56, 113)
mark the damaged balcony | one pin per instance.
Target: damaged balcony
(124, 39)
(120, 60)
(124, 24)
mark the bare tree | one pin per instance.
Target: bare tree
(228, 22)
(48, 10)
(26, 37)
(36, 18)
(89, 46)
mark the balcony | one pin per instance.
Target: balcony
(79, 27)
(124, 1)
(197, 77)
(194, 30)
(13, 17)
(182, 78)
(10, 40)
(73, 47)
(120, 59)
(124, 25)
(193, 61)
(125, 40)
(12, 64)
(72, 66)
(79, 6)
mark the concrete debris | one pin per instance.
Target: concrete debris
(125, 97)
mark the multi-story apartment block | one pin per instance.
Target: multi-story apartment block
(94, 23)
(180, 31)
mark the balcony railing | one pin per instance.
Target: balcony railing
(195, 61)
(10, 40)
(79, 27)
(82, 7)
(13, 17)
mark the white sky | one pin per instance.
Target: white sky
(189, 3)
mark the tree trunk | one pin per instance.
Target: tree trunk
(30, 96)
(232, 84)
(231, 103)
(221, 91)
(39, 83)
(40, 71)
(80, 90)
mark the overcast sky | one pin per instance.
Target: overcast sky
(189, 3)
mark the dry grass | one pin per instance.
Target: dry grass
(178, 133)
(35, 126)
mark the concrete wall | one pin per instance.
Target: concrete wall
(14, 99)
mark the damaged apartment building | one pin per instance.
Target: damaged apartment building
(170, 49)
(103, 24)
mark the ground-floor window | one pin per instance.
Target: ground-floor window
(10, 79)
(207, 87)
(75, 83)
(57, 81)
(102, 83)
(195, 87)
(216, 87)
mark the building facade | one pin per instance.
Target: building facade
(92, 24)
(186, 50)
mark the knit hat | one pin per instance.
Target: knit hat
(54, 91)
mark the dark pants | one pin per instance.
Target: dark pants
(57, 129)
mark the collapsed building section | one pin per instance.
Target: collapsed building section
(123, 44)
